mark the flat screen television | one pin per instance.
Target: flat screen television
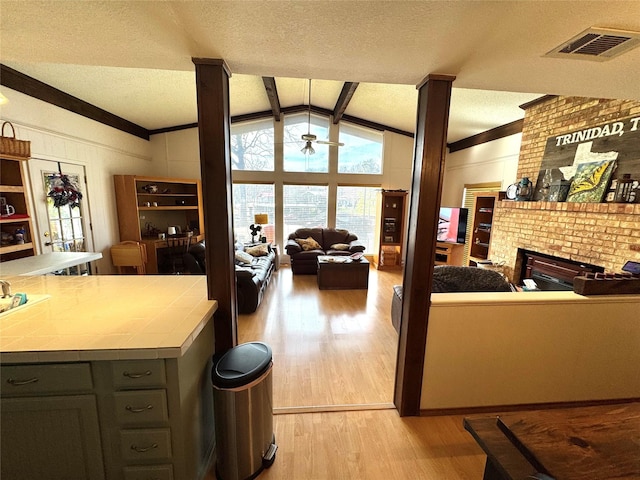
(452, 224)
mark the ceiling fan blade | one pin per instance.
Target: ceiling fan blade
(327, 142)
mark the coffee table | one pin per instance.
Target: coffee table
(342, 273)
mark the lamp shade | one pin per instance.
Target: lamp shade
(261, 218)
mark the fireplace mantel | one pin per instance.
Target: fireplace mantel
(604, 208)
(603, 234)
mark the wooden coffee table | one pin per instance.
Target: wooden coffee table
(341, 273)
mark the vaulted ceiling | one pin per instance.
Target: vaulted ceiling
(133, 58)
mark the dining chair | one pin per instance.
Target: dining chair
(129, 254)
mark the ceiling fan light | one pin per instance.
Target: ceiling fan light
(308, 149)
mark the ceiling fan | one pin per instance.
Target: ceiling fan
(310, 138)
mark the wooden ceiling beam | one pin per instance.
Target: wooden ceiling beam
(22, 83)
(348, 89)
(272, 95)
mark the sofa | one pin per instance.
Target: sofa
(253, 272)
(306, 244)
(448, 278)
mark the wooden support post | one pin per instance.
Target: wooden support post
(212, 86)
(428, 169)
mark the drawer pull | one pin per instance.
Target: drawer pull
(144, 449)
(137, 375)
(138, 410)
(18, 383)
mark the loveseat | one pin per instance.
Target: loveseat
(447, 278)
(253, 272)
(306, 244)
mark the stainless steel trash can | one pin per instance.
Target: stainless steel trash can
(243, 402)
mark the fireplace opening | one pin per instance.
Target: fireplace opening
(552, 273)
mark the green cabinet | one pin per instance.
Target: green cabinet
(48, 428)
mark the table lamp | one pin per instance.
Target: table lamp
(259, 219)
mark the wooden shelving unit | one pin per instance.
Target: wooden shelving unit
(13, 189)
(483, 208)
(390, 252)
(142, 215)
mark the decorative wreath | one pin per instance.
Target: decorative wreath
(64, 191)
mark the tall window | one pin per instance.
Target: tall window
(362, 150)
(294, 160)
(252, 146)
(304, 206)
(250, 199)
(356, 212)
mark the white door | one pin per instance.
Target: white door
(62, 217)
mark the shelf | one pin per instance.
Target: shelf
(11, 189)
(145, 194)
(18, 217)
(16, 248)
(167, 208)
(13, 157)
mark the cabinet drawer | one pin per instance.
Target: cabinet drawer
(151, 472)
(145, 444)
(138, 373)
(141, 407)
(45, 378)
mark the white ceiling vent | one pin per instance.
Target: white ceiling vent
(597, 44)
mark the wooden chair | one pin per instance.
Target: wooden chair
(129, 254)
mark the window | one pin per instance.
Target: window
(250, 199)
(294, 160)
(304, 206)
(252, 146)
(362, 150)
(356, 211)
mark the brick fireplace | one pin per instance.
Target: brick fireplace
(603, 234)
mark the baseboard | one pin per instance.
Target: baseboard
(333, 408)
(520, 407)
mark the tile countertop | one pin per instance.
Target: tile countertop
(110, 317)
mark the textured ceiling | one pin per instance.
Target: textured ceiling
(134, 58)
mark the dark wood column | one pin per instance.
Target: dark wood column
(426, 188)
(212, 86)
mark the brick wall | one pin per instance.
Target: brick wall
(599, 233)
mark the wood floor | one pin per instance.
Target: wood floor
(330, 347)
(334, 356)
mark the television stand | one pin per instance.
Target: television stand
(449, 253)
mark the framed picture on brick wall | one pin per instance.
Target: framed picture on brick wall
(590, 182)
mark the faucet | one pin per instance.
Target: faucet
(6, 288)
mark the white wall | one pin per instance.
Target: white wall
(495, 161)
(62, 136)
(398, 161)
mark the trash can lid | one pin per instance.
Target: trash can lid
(241, 365)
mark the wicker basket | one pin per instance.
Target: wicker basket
(12, 146)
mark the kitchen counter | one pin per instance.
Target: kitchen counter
(107, 377)
(115, 317)
(48, 263)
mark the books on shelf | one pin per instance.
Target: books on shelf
(389, 225)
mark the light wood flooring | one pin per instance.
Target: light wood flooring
(334, 358)
(330, 347)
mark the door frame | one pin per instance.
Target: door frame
(35, 174)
